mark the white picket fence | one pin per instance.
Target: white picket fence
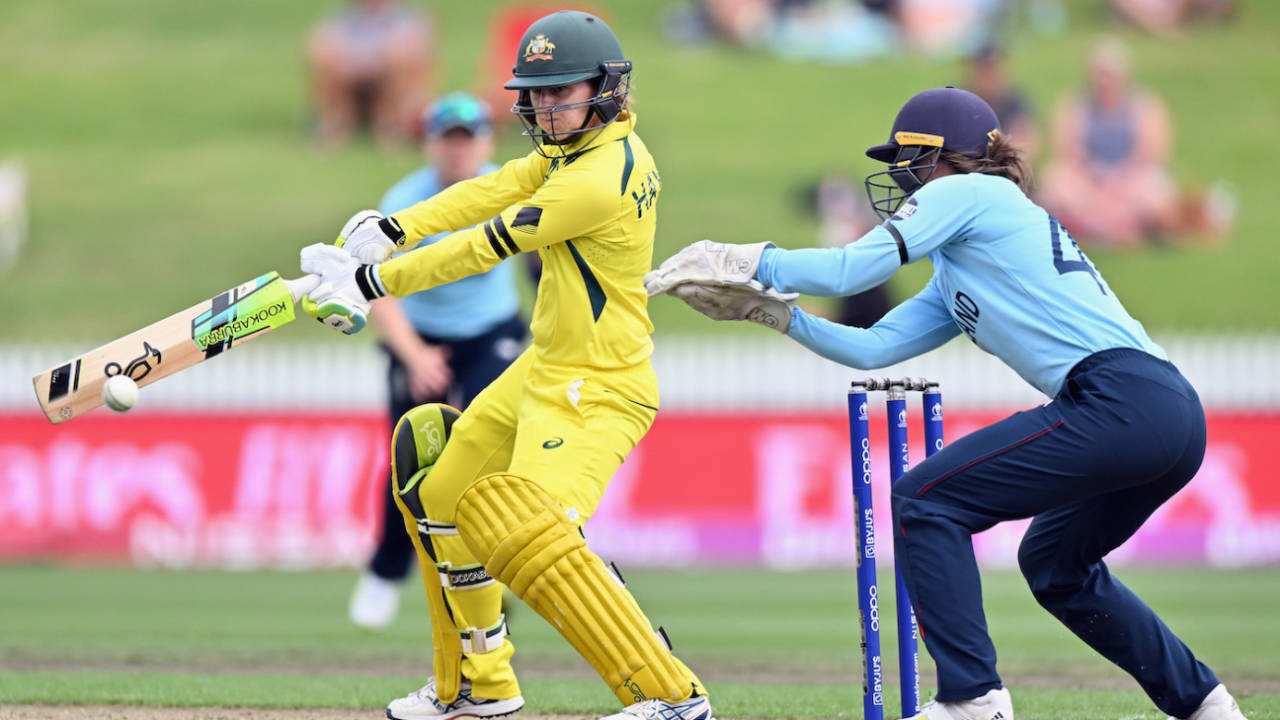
(719, 373)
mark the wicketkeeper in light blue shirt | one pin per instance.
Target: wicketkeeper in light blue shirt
(1005, 273)
(1124, 430)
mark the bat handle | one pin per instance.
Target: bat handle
(298, 287)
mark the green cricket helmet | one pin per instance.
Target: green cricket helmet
(561, 49)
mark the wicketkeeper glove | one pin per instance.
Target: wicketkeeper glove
(339, 300)
(370, 237)
(707, 263)
(752, 302)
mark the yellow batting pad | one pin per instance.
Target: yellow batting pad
(417, 442)
(446, 643)
(524, 539)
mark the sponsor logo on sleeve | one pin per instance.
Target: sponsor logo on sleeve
(907, 210)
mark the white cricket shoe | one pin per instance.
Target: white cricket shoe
(1217, 705)
(995, 705)
(425, 705)
(697, 707)
(375, 602)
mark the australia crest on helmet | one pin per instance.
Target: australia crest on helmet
(539, 48)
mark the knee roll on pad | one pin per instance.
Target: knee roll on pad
(416, 444)
(524, 539)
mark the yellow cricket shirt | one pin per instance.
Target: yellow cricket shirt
(591, 219)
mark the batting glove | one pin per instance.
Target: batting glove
(708, 263)
(337, 300)
(370, 237)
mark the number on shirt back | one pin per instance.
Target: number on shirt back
(1056, 232)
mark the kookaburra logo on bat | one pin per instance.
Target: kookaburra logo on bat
(142, 362)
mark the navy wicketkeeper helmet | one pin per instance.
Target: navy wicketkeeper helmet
(940, 119)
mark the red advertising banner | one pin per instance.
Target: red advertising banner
(249, 490)
(236, 491)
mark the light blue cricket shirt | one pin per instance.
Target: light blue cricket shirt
(1004, 272)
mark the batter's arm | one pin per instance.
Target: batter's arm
(567, 207)
(466, 203)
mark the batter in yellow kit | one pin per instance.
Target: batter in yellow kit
(497, 496)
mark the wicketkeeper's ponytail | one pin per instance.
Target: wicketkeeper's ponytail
(1002, 158)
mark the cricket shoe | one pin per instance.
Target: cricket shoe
(425, 705)
(374, 602)
(1217, 705)
(995, 705)
(697, 707)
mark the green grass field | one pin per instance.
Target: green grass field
(169, 160)
(167, 149)
(768, 645)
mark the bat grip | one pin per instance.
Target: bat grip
(298, 287)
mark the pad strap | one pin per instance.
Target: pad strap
(427, 526)
(483, 640)
(463, 577)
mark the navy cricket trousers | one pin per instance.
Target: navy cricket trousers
(1124, 434)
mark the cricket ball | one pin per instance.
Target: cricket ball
(119, 393)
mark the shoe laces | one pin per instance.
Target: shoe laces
(659, 710)
(428, 691)
(645, 709)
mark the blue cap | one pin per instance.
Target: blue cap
(948, 118)
(457, 110)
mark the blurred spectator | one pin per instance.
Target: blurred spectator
(949, 27)
(844, 216)
(839, 30)
(369, 65)
(744, 22)
(833, 31)
(1167, 17)
(821, 30)
(989, 79)
(445, 344)
(1108, 180)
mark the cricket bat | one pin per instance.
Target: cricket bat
(202, 331)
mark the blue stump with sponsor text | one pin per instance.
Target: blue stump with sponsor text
(868, 591)
(868, 604)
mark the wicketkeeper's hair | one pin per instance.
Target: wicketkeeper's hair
(1002, 158)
